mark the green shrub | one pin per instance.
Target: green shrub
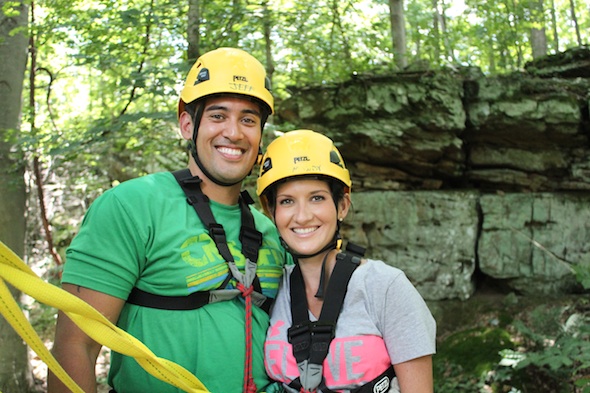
(465, 358)
(553, 354)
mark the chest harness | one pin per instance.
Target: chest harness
(248, 284)
(310, 341)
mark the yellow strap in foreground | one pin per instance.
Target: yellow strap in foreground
(92, 322)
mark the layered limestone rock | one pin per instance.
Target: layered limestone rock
(460, 177)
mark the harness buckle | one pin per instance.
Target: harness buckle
(321, 328)
(322, 334)
(251, 242)
(300, 339)
(192, 180)
(296, 331)
(192, 200)
(217, 232)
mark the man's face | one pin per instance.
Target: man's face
(228, 137)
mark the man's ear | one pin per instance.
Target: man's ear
(185, 122)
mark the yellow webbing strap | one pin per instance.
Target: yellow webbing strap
(92, 322)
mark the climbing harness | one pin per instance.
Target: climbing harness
(248, 284)
(310, 341)
(250, 238)
(92, 322)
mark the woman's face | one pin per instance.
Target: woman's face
(306, 215)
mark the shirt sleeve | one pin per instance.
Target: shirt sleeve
(408, 327)
(108, 252)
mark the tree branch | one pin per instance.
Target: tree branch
(143, 57)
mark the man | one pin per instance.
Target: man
(172, 259)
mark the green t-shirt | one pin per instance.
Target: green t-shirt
(143, 233)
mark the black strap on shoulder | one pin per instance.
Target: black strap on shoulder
(311, 340)
(250, 238)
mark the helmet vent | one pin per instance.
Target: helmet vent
(203, 76)
(266, 165)
(335, 159)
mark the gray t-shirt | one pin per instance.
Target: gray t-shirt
(383, 321)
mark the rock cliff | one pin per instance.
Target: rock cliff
(461, 178)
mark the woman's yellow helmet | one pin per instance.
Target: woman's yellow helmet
(227, 71)
(301, 153)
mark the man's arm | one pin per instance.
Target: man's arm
(73, 349)
(415, 376)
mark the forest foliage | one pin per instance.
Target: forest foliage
(100, 102)
(102, 82)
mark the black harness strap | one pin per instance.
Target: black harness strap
(310, 341)
(191, 302)
(250, 238)
(379, 384)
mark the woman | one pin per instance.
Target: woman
(317, 341)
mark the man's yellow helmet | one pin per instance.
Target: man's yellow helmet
(301, 153)
(227, 71)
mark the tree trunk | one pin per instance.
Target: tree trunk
(492, 57)
(445, 35)
(193, 27)
(575, 21)
(339, 31)
(538, 42)
(15, 376)
(267, 24)
(513, 21)
(436, 30)
(554, 26)
(538, 36)
(398, 32)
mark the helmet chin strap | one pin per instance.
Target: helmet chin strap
(192, 145)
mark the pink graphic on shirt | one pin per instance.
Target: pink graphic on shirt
(275, 330)
(351, 361)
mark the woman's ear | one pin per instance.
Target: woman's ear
(186, 125)
(344, 206)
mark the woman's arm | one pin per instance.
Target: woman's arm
(415, 376)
